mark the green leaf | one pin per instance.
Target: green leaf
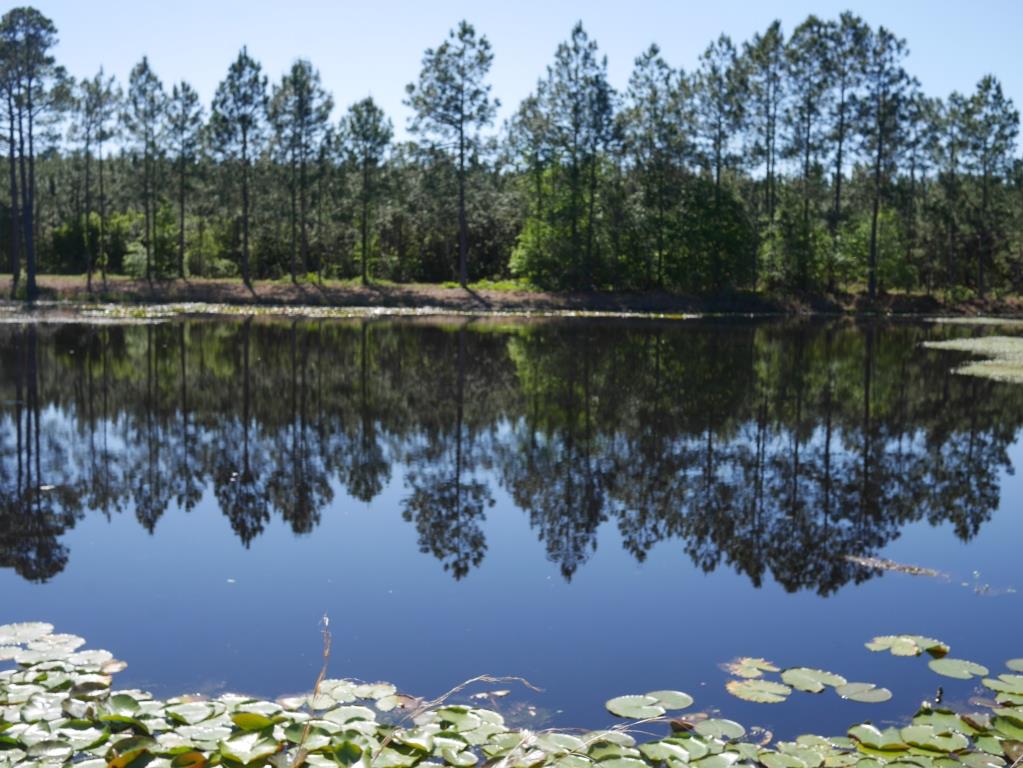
(671, 700)
(927, 737)
(55, 750)
(251, 721)
(760, 691)
(191, 712)
(908, 645)
(957, 668)
(662, 751)
(720, 729)
(1016, 665)
(811, 680)
(749, 667)
(866, 693)
(347, 752)
(635, 707)
(248, 747)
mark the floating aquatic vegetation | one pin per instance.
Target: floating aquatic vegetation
(811, 680)
(749, 667)
(58, 710)
(880, 564)
(908, 645)
(760, 691)
(957, 668)
(1002, 356)
(865, 693)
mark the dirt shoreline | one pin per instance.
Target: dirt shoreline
(69, 292)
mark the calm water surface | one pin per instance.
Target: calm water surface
(600, 507)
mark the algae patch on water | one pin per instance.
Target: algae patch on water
(1002, 356)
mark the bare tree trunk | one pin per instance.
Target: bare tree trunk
(15, 239)
(102, 217)
(245, 208)
(181, 220)
(872, 265)
(303, 233)
(88, 209)
(365, 218)
(463, 236)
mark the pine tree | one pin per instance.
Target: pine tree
(452, 104)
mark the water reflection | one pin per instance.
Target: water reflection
(774, 450)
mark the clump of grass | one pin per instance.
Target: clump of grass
(1002, 356)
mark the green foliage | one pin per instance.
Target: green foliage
(763, 167)
(59, 709)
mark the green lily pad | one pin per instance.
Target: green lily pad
(189, 713)
(908, 645)
(249, 747)
(343, 715)
(927, 737)
(623, 762)
(957, 668)
(716, 728)
(981, 760)
(635, 707)
(890, 739)
(1012, 684)
(811, 680)
(866, 693)
(671, 700)
(663, 751)
(749, 667)
(251, 721)
(57, 751)
(760, 691)
(1016, 665)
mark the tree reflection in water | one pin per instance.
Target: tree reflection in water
(773, 449)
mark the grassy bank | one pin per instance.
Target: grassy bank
(487, 296)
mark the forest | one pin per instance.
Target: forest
(805, 161)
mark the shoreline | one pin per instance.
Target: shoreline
(123, 298)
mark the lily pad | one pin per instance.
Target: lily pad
(17, 634)
(811, 680)
(908, 645)
(760, 691)
(927, 737)
(717, 728)
(865, 693)
(749, 667)
(957, 668)
(1016, 665)
(634, 707)
(248, 747)
(672, 700)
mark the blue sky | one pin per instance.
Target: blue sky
(375, 47)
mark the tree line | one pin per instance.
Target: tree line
(799, 445)
(808, 160)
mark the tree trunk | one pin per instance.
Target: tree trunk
(304, 235)
(102, 216)
(15, 240)
(245, 208)
(872, 265)
(87, 240)
(146, 205)
(181, 220)
(463, 236)
(365, 218)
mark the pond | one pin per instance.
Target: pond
(602, 507)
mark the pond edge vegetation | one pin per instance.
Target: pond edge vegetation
(57, 708)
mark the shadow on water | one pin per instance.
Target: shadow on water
(776, 450)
